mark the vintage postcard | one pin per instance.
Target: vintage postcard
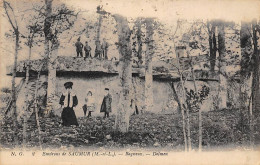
(130, 82)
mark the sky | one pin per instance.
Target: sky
(174, 9)
(166, 11)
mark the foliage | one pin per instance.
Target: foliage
(146, 130)
(194, 100)
(6, 90)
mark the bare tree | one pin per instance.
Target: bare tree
(125, 73)
(196, 93)
(222, 96)
(182, 100)
(176, 97)
(211, 25)
(12, 20)
(47, 35)
(184, 106)
(56, 22)
(256, 63)
(148, 64)
(47, 27)
(33, 29)
(138, 36)
(36, 106)
(245, 69)
(255, 80)
(100, 11)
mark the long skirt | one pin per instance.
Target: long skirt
(68, 117)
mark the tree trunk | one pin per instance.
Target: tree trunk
(246, 46)
(214, 51)
(125, 73)
(134, 105)
(255, 83)
(256, 71)
(148, 65)
(16, 32)
(196, 92)
(222, 96)
(47, 52)
(188, 127)
(26, 108)
(36, 109)
(139, 42)
(188, 140)
(212, 45)
(47, 25)
(51, 91)
(176, 97)
(99, 27)
(13, 87)
(182, 101)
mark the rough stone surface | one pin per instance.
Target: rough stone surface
(161, 69)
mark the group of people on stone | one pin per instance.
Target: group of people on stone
(69, 100)
(100, 51)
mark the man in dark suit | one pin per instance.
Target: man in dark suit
(106, 104)
(68, 100)
(104, 48)
(87, 50)
(98, 50)
(79, 47)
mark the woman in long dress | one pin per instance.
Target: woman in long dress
(68, 101)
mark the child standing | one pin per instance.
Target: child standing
(90, 104)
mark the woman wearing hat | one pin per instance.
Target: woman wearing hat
(89, 104)
(68, 100)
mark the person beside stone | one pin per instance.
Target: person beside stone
(90, 104)
(104, 48)
(68, 101)
(134, 106)
(84, 107)
(43, 99)
(98, 50)
(79, 47)
(106, 104)
(87, 50)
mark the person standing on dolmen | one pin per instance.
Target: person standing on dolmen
(98, 50)
(106, 104)
(87, 50)
(79, 47)
(68, 101)
(104, 48)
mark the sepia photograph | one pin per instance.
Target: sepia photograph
(130, 82)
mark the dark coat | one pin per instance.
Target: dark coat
(79, 46)
(68, 115)
(74, 100)
(106, 104)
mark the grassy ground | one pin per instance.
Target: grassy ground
(221, 129)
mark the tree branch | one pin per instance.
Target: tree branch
(12, 24)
